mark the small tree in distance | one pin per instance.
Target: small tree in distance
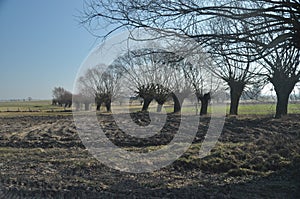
(61, 97)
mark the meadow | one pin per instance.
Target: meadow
(45, 107)
(29, 106)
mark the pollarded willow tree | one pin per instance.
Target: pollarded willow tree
(143, 75)
(237, 75)
(283, 71)
(281, 65)
(189, 18)
(102, 85)
(153, 74)
(233, 61)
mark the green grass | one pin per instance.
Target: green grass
(44, 107)
(265, 109)
(41, 107)
(244, 109)
(26, 106)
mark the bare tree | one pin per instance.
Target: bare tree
(102, 83)
(238, 72)
(57, 92)
(146, 74)
(61, 97)
(180, 85)
(281, 63)
(202, 81)
(283, 71)
(186, 18)
(233, 61)
(156, 74)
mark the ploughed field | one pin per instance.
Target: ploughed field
(255, 157)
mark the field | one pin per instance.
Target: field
(41, 156)
(44, 107)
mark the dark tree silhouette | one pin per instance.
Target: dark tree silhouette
(188, 18)
(233, 62)
(61, 97)
(283, 71)
(281, 66)
(238, 73)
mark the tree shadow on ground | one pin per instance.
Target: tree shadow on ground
(281, 184)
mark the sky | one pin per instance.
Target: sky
(42, 46)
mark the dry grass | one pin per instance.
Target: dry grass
(43, 155)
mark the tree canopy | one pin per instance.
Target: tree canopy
(238, 31)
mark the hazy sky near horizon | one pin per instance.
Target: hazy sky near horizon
(42, 46)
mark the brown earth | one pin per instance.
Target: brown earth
(43, 157)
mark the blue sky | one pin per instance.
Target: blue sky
(42, 45)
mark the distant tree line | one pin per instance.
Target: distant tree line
(61, 97)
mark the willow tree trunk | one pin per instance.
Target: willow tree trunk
(204, 103)
(146, 103)
(161, 99)
(236, 89)
(283, 88)
(282, 104)
(98, 107)
(178, 100)
(108, 105)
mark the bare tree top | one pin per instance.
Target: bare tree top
(189, 18)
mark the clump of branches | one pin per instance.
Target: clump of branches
(61, 97)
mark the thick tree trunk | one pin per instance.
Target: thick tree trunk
(108, 105)
(236, 89)
(178, 100)
(160, 102)
(282, 104)
(98, 107)
(204, 103)
(234, 103)
(283, 89)
(146, 104)
(204, 106)
(161, 98)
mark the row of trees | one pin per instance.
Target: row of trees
(62, 97)
(150, 74)
(249, 41)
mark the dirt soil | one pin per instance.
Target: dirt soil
(43, 157)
